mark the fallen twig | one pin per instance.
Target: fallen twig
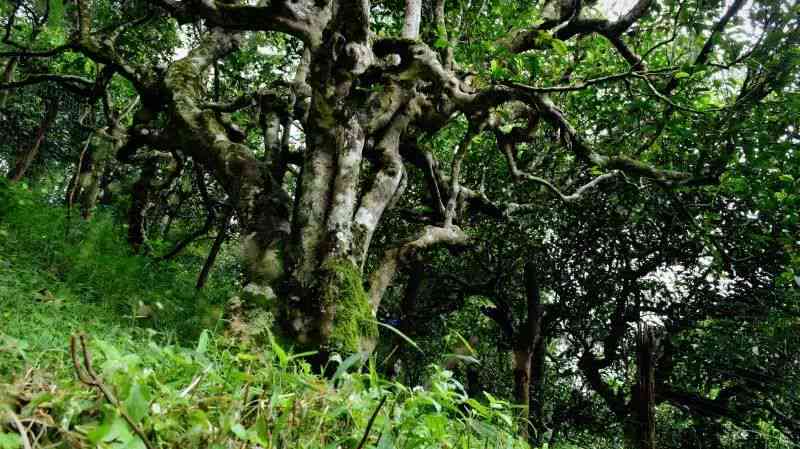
(23, 433)
(88, 376)
(195, 382)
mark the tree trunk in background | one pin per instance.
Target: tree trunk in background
(527, 340)
(474, 387)
(84, 187)
(91, 172)
(140, 201)
(106, 190)
(522, 378)
(26, 158)
(412, 19)
(536, 405)
(212, 254)
(644, 394)
(408, 306)
(8, 75)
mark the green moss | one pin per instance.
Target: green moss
(354, 328)
(325, 116)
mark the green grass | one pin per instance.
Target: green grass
(60, 275)
(175, 373)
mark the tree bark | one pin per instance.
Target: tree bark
(527, 341)
(140, 201)
(212, 254)
(536, 391)
(89, 183)
(26, 157)
(522, 378)
(86, 185)
(644, 394)
(8, 76)
(408, 307)
(412, 19)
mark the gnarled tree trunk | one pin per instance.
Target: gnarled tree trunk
(363, 101)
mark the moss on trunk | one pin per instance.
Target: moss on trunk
(347, 324)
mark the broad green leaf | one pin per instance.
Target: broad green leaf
(261, 432)
(202, 343)
(239, 430)
(441, 43)
(283, 357)
(347, 364)
(559, 46)
(137, 402)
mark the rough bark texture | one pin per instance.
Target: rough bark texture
(644, 405)
(140, 201)
(527, 341)
(86, 186)
(8, 76)
(412, 20)
(315, 262)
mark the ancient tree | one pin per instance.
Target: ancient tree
(371, 87)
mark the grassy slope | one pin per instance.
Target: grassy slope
(54, 284)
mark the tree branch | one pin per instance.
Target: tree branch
(528, 39)
(302, 19)
(381, 278)
(412, 19)
(587, 83)
(77, 84)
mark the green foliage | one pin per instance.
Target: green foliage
(230, 394)
(6, 196)
(60, 275)
(66, 274)
(184, 386)
(10, 441)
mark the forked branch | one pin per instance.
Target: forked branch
(82, 362)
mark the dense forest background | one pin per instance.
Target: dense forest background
(377, 224)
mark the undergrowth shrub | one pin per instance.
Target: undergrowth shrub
(224, 394)
(182, 386)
